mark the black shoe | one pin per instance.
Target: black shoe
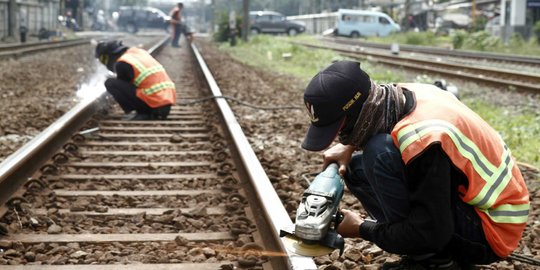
(407, 263)
(161, 113)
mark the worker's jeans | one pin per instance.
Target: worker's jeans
(377, 177)
(177, 32)
(125, 94)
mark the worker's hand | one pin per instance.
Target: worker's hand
(350, 225)
(340, 154)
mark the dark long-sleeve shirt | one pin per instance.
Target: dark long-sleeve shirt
(124, 71)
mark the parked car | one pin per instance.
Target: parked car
(131, 18)
(274, 22)
(356, 23)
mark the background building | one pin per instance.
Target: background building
(32, 14)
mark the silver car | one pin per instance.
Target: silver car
(271, 22)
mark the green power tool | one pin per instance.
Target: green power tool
(314, 232)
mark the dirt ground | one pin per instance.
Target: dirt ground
(35, 92)
(276, 137)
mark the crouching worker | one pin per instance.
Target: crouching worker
(439, 183)
(141, 83)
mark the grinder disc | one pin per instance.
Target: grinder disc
(297, 246)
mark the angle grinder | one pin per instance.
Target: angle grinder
(314, 231)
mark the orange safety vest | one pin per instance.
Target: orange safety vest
(154, 86)
(495, 185)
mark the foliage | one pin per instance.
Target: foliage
(223, 33)
(536, 30)
(458, 38)
(479, 24)
(411, 38)
(480, 41)
(516, 40)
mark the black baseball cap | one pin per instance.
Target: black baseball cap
(332, 93)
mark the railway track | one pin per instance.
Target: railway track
(94, 190)
(471, 56)
(18, 50)
(487, 75)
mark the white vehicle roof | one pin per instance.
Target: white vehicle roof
(362, 12)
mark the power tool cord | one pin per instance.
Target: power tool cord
(199, 100)
(524, 259)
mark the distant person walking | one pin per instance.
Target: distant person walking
(176, 24)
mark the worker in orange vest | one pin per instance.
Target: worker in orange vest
(141, 83)
(438, 183)
(176, 24)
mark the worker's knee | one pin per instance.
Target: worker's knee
(382, 157)
(355, 171)
(110, 84)
(377, 145)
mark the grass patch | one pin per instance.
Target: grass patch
(267, 52)
(463, 40)
(414, 38)
(518, 129)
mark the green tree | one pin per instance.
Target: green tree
(537, 31)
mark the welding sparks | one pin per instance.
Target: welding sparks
(94, 86)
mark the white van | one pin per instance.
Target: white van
(356, 23)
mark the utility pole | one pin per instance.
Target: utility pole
(407, 14)
(212, 16)
(12, 21)
(473, 13)
(245, 21)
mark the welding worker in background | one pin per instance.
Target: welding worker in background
(141, 83)
(176, 24)
(440, 185)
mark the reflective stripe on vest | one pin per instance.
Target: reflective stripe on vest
(157, 87)
(143, 72)
(496, 177)
(495, 185)
(153, 84)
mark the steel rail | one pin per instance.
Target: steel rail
(517, 59)
(27, 48)
(270, 205)
(529, 82)
(16, 169)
